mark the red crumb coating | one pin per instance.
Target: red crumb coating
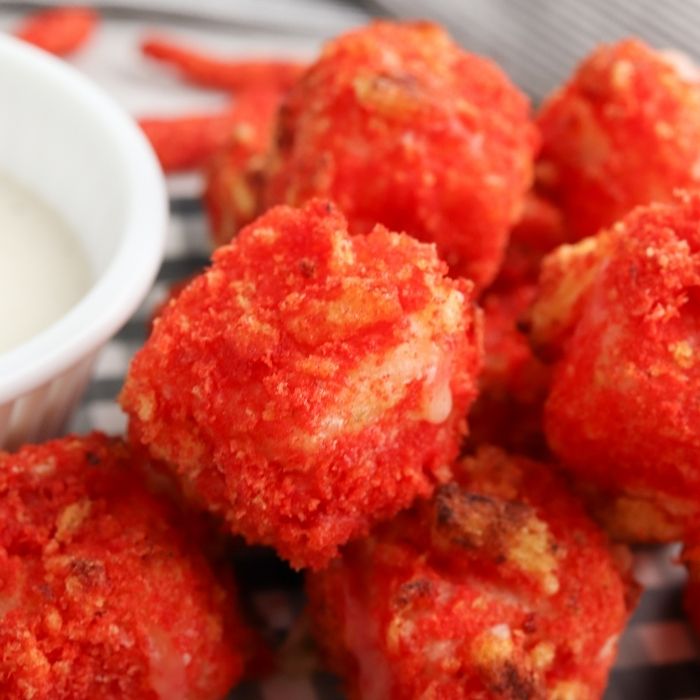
(499, 588)
(309, 384)
(235, 75)
(620, 315)
(61, 30)
(622, 132)
(398, 125)
(513, 383)
(101, 595)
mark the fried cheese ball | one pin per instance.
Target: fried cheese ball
(500, 587)
(622, 132)
(619, 315)
(398, 125)
(102, 595)
(309, 383)
(513, 383)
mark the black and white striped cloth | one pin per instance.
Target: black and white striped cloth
(537, 41)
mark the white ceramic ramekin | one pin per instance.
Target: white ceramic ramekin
(69, 143)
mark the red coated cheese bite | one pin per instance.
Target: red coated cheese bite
(619, 316)
(310, 383)
(498, 587)
(102, 592)
(398, 125)
(622, 132)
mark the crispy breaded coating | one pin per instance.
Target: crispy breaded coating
(619, 315)
(102, 594)
(398, 125)
(622, 132)
(513, 383)
(498, 588)
(309, 383)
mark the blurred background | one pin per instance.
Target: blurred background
(536, 41)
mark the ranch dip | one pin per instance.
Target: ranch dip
(43, 270)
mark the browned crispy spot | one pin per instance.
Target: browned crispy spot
(505, 531)
(411, 591)
(307, 267)
(512, 683)
(474, 521)
(503, 669)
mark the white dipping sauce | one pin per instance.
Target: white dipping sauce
(43, 269)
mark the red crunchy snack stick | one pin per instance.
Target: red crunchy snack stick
(499, 587)
(184, 143)
(309, 384)
(60, 31)
(622, 132)
(234, 75)
(102, 592)
(618, 313)
(513, 383)
(398, 125)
